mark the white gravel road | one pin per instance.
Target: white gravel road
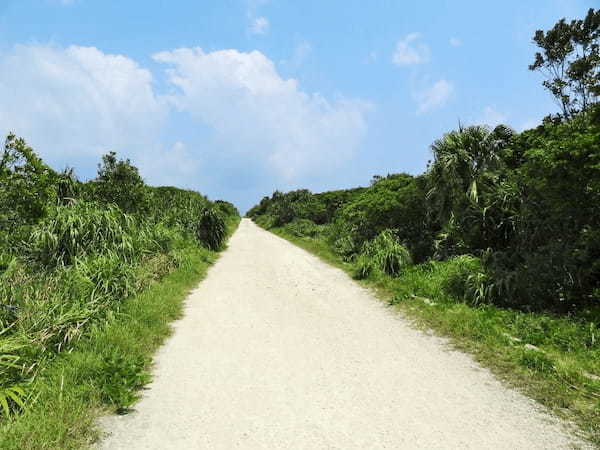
(278, 350)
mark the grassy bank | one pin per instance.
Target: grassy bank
(107, 367)
(553, 359)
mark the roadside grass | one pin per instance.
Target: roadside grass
(553, 359)
(107, 367)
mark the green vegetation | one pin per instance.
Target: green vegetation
(497, 244)
(81, 311)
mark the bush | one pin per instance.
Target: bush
(27, 190)
(211, 229)
(112, 280)
(303, 228)
(226, 208)
(384, 253)
(83, 229)
(120, 377)
(176, 208)
(394, 202)
(120, 183)
(466, 279)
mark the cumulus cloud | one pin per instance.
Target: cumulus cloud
(260, 25)
(255, 129)
(410, 51)
(433, 97)
(75, 103)
(175, 165)
(260, 117)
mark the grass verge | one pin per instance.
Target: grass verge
(553, 359)
(107, 367)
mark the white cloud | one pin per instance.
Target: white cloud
(492, 117)
(252, 129)
(260, 25)
(410, 51)
(177, 165)
(455, 42)
(74, 103)
(260, 118)
(434, 96)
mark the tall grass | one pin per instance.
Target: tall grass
(383, 253)
(211, 230)
(79, 264)
(82, 229)
(104, 371)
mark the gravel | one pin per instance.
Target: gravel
(278, 350)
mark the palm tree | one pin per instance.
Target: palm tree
(467, 167)
(464, 161)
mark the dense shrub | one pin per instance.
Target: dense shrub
(396, 201)
(73, 231)
(27, 190)
(226, 208)
(466, 278)
(303, 228)
(383, 253)
(211, 229)
(120, 183)
(176, 208)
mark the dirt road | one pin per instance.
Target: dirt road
(278, 350)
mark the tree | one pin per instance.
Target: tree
(119, 182)
(570, 60)
(464, 180)
(27, 185)
(463, 161)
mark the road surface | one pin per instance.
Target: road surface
(278, 350)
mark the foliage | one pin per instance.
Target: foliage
(466, 279)
(72, 253)
(383, 253)
(27, 188)
(77, 385)
(71, 232)
(211, 229)
(227, 209)
(68, 187)
(10, 398)
(303, 227)
(176, 208)
(396, 201)
(120, 377)
(119, 183)
(526, 205)
(464, 178)
(570, 60)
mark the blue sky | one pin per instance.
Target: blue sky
(237, 98)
